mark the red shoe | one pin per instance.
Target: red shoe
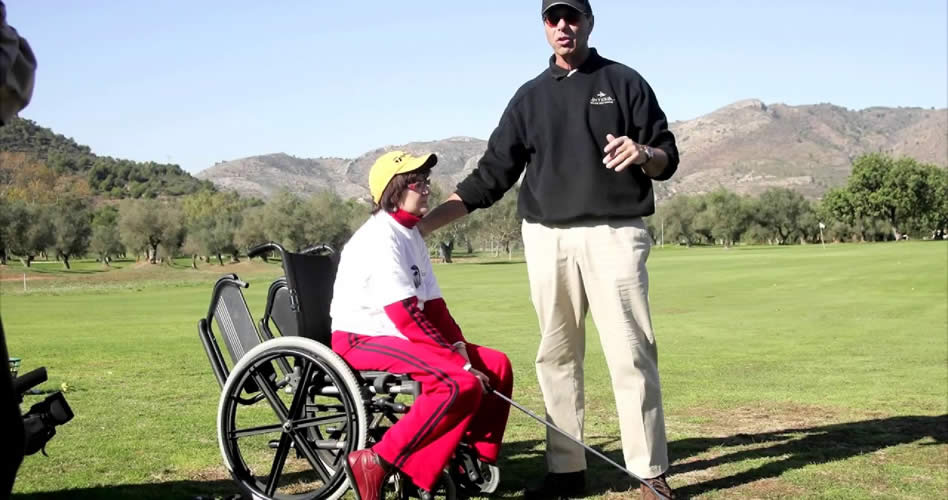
(366, 474)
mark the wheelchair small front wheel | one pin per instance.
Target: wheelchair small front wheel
(490, 479)
(406, 490)
(290, 412)
(473, 477)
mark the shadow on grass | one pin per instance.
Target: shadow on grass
(523, 463)
(782, 450)
(223, 489)
(799, 447)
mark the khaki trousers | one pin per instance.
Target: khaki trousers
(600, 268)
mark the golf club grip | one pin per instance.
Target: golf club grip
(594, 452)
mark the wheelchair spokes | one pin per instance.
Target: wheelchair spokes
(285, 434)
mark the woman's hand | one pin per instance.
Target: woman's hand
(485, 382)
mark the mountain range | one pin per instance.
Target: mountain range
(746, 147)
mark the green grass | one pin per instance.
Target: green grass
(787, 372)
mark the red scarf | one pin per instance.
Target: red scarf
(405, 218)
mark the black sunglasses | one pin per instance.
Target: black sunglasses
(553, 16)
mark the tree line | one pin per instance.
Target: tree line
(207, 226)
(884, 198)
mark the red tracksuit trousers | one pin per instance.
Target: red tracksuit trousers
(452, 406)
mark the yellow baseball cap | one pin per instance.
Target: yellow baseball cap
(393, 163)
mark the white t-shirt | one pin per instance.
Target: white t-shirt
(384, 262)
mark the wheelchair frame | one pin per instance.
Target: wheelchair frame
(319, 407)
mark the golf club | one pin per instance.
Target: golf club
(561, 431)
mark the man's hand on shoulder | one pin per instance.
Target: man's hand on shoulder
(450, 209)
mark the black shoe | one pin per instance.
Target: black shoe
(557, 486)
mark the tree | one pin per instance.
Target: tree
(679, 214)
(725, 216)
(780, 212)
(146, 224)
(284, 221)
(326, 220)
(23, 178)
(173, 231)
(191, 246)
(937, 216)
(252, 230)
(5, 223)
(501, 224)
(29, 232)
(105, 241)
(843, 222)
(71, 227)
(212, 219)
(446, 237)
(901, 192)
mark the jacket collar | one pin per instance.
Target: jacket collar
(559, 73)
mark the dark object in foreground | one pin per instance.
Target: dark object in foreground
(25, 434)
(39, 424)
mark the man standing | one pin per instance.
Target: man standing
(591, 138)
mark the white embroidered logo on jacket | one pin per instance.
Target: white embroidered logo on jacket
(601, 98)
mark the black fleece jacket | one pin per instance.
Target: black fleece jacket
(555, 126)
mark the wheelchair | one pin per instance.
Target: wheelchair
(291, 409)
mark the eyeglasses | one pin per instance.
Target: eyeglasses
(553, 16)
(421, 187)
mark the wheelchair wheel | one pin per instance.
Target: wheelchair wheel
(285, 435)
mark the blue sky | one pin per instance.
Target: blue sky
(196, 82)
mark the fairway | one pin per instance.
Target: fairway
(787, 372)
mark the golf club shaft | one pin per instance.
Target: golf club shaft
(561, 431)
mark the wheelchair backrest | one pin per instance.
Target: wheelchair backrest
(233, 319)
(278, 311)
(309, 280)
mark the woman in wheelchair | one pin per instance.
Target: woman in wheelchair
(388, 314)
